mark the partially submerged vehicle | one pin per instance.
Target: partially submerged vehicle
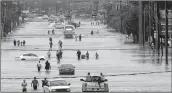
(67, 69)
(69, 31)
(57, 85)
(93, 86)
(31, 56)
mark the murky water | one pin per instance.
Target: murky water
(127, 67)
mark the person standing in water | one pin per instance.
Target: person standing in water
(24, 86)
(14, 42)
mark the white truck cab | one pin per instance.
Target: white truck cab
(57, 85)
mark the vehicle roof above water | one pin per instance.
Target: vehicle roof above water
(67, 65)
(69, 26)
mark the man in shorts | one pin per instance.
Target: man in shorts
(35, 83)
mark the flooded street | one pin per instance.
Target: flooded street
(128, 67)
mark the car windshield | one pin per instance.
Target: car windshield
(66, 66)
(26, 55)
(58, 83)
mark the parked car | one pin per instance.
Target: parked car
(31, 56)
(92, 86)
(57, 85)
(67, 69)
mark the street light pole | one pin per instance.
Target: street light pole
(56, 8)
(140, 24)
(166, 33)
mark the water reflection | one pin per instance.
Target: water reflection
(47, 71)
(167, 68)
(147, 56)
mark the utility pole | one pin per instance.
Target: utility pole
(157, 27)
(166, 33)
(150, 23)
(144, 25)
(56, 9)
(1, 31)
(140, 24)
(120, 17)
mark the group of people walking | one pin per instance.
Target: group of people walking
(51, 42)
(96, 23)
(76, 37)
(92, 32)
(19, 43)
(60, 43)
(47, 66)
(59, 54)
(80, 56)
(53, 32)
(34, 84)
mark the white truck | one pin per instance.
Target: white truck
(92, 86)
(69, 31)
(57, 85)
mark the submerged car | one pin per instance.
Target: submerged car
(57, 85)
(67, 69)
(92, 86)
(74, 24)
(45, 17)
(31, 56)
(69, 31)
(58, 26)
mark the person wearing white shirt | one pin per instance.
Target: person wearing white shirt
(101, 79)
(39, 66)
(24, 86)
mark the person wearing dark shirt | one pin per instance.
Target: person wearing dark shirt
(51, 45)
(53, 32)
(50, 39)
(48, 32)
(47, 66)
(80, 37)
(58, 55)
(24, 42)
(91, 32)
(87, 55)
(44, 82)
(35, 83)
(14, 42)
(61, 53)
(97, 55)
(79, 54)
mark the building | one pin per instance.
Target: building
(163, 28)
